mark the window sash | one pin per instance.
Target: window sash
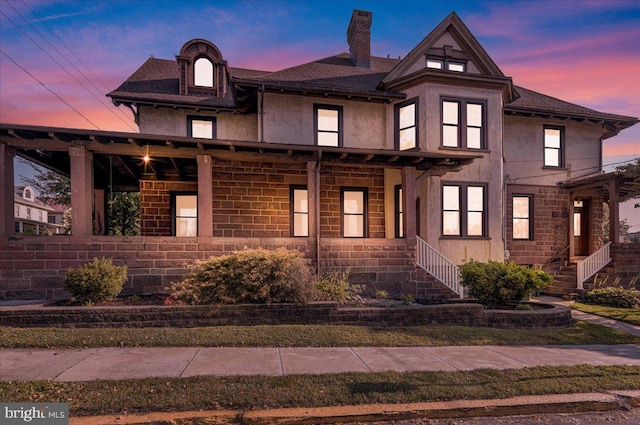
(553, 147)
(463, 124)
(399, 212)
(354, 213)
(328, 125)
(464, 210)
(406, 125)
(203, 72)
(299, 212)
(185, 215)
(522, 207)
(201, 127)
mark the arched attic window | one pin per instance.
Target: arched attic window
(203, 72)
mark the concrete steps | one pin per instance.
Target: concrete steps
(564, 283)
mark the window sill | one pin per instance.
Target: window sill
(465, 238)
(549, 167)
(451, 148)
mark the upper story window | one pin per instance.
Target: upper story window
(446, 64)
(463, 124)
(406, 124)
(299, 211)
(203, 72)
(16, 211)
(354, 212)
(553, 146)
(328, 125)
(28, 212)
(523, 217)
(201, 127)
(464, 210)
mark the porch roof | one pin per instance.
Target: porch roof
(626, 185)
(118, 156)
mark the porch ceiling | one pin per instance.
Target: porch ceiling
(118, 156)
(626, 185)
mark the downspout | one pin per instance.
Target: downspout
(317, 198)
(261, 112)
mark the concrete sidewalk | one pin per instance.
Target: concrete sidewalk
(124, 363)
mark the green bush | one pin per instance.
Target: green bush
(97, 281)
(249, 276)
(613, 296)
(497, 284)
(335, 286)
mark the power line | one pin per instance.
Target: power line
(565, 171)
(48, 89)
(59, 64)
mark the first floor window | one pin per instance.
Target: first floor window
(464, 209)
(553, 146)
(522, 217)
(185, 215)
(299, 211)
(201, 127)
(328, 125)
(406, 123)
(399, 212)
(354, 212)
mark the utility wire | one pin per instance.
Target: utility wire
(63, 68)
(565, 171)
(48, 89)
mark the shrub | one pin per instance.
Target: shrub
(335, 286)
(613, 296)
(499, 284)
(97, 281)
(248, 276)
(381, 294)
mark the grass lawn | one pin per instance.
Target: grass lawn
(629, 315)
(306, 336)
(206, 392)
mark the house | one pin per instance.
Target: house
(32, 216)
(397, 169)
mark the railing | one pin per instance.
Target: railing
(438, 266)
(592, 264)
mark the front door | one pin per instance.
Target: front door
(581, 227)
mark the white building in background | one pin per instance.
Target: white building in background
(33, 216)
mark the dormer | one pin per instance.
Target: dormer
(28, 194)
(202, 69)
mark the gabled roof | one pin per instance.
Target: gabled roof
(465, 39)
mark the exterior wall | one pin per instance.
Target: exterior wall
(551, 225)
(155, 205)
(626, 263)
(34, 267)
(167, 121)
(524, 150)
(289, 119)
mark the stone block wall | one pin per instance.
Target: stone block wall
(550, 220)
(626, 262)
(155, 204)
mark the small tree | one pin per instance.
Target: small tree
(124, 213)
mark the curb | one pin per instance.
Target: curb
(522, 405)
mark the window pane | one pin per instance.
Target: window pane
(327, 120)
(474, 115)
(521, 207)
(300, 225)
(551, 138)
(186, 226)
(475, 198)
(434, 64)
(353, 202)
(202, 129)
(300, 200)
(520, 228)
(408, 138)
(458, 67)
(577, 224)
(400, 201)
(187, 206)
(327, 139)
(354, 226)
(552, 157)
(203, 72)
(450, 136)
(450, 112)
(451, 223)
(474, 140)
(450, 198)
(474, 223)
(408, 116)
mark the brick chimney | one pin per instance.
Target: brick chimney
(359, 38)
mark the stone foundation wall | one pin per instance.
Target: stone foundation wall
(626, 262)
(34, 267)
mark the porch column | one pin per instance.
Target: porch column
(572, 248)
(81, 190)
(614, 210)
(409, 202)
(313, 186)
(7, 220)
(205, 196)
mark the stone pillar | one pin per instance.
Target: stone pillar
(614, 210)
(313, 186)
(409, 202)
(205, 196)
(572, 249)
(81, 190)
(7, 220)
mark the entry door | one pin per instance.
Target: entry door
(581, 228)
